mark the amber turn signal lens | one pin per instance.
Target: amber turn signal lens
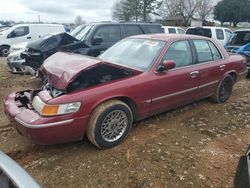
(50, 110)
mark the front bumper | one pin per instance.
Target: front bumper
(16, 66)
(42, 130)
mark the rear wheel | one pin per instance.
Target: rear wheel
(109, 124)
(224, 90)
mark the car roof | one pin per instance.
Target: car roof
(208, 27)
(121, 23)
(167, 37)
(240, 30)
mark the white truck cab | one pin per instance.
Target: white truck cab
(221, 34)
(173, 30)
(25, 33)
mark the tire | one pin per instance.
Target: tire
(5, 51)
(224, 90)
(102, 127)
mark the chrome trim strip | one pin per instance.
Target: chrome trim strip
(174, 94)
(208, 84)
(43, 125)
(244, 72)
(148, 101)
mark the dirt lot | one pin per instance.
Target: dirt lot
(195, 146)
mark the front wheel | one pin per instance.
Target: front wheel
(224, 90)
(5, 51)
(109, 124)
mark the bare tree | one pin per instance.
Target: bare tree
(187, 8)
(204, 9)
(168, 8)
(79, 20)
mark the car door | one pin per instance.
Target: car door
(109, 35)
(19, 34)
(178, 86)
(210, 66)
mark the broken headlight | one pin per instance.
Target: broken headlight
(52, 110)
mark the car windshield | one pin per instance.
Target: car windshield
(239, 38)
(200, 31)
(83, 33)
(77, 30)
(135, 53)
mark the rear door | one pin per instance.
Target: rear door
(178, 86)
(210, 66)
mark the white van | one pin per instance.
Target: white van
(25, 33)
(173, 30)
(221, 34)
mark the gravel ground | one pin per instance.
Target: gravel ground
(198, 145)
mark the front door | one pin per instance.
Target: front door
(178, 86)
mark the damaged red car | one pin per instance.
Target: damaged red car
(136, 78)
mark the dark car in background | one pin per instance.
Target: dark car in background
(240, 43)
(92, 39)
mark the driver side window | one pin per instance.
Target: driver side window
(180, 52)
(19, 32)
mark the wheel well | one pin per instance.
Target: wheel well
(234, 76)
(5, 45)
(132, 105)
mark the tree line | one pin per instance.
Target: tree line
(233, 11)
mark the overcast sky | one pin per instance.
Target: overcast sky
(63, 11)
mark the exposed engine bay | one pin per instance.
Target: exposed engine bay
(88, 78)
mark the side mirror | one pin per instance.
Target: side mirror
(167, 65)
(97, 41)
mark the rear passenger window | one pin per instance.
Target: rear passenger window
(203, 51)
(110, 33)
(180, 52)
(131, 30)
(215, 52)
(219, 34)
(171, 30)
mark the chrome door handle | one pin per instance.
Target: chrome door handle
(222, 67)
(194, 74)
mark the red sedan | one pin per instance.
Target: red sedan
(138, 77)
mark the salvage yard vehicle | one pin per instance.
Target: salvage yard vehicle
(222, 34)
(24, 33)
(240, 43)
(136, 78)
(92, 39)
(13, 176)
(18, 59)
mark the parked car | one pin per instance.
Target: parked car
(173, 30)
(240, 43)
(25, 32)
(92, 40)
(19, 61)
(13, 176)
(136, 78)
(221, 34)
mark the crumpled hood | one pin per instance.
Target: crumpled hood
(61, 68)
